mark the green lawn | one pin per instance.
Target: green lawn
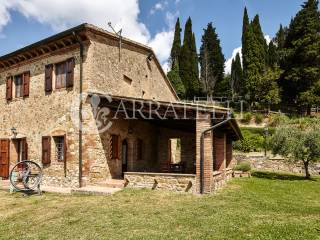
(267, 206)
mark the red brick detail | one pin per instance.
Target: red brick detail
(229, 154)
(201, 125)
(220, 151)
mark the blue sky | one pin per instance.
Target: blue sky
(148, 21)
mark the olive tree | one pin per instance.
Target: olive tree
(298, 141)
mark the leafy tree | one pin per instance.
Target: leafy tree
(236, 76)
(298, 142)
(176, 81)
(211, 61)
(223, 89)
(188, 63)
(267, 89)
(301, 76)
(176, 45)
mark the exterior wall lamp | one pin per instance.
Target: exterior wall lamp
(14, 132)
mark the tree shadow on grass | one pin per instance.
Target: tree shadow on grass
(279, 176)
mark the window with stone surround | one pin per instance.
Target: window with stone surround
(18, 85)
(60, 148)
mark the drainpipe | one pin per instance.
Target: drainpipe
(202, 149)
(80, 105)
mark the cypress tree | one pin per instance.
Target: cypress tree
(301, 78)
(280, 37)
(195, 63)
(272, 55)
(211, 61)
(252, 59)
(188, 63)
(176, 45)
(260, 40)
(236, 76)
(176, 81)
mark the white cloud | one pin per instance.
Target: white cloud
(268, 39)
(161, 44)
(62, 14)
(228, 63)
(4, 14)
(160, 6)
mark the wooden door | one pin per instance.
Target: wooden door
(4, 157)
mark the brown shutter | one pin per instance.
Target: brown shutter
(70, 73)
(9, 88)
(48, 78)
(26, 83)
(24, 150)
(4, 158)
(46, 150)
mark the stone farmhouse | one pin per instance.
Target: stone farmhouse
(96, 109)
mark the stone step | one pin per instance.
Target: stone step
(96, 190)
(113, 183)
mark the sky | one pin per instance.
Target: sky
(151, 22)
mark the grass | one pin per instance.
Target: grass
(267, 206)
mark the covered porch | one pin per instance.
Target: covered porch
(161, 145)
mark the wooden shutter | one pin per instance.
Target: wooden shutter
(26, 83)
(114, 146)
(70, 73)
(46, 150)
(9, 88)
(24, 150)
(4, 158)
(48, 78)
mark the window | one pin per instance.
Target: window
(19, 85)
(60, 148)
(61, 75)
(64, 74)
(139, 149)
(114, 147)
(127, 79)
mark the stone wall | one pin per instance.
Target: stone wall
(42, 114)
(220, 178)
(129, 75)
(259, 162)
(163, 181)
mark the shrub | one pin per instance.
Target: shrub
(247, 117)
(277, 120)
(259, 118)
(245, 145)
(244, 167)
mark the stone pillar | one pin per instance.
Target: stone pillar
(203, 123)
